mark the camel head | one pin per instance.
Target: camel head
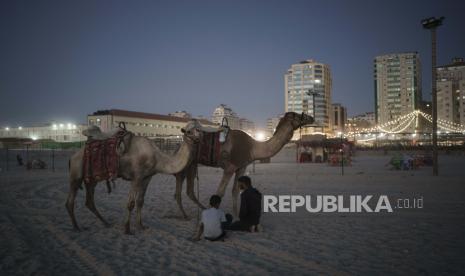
(191, 131)
(297, 120)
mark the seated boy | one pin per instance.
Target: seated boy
(212, 221)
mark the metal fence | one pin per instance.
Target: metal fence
(15, 159)
(16, 156)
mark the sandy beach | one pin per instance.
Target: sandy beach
(37, 237)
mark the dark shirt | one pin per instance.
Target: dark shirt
(251, 206)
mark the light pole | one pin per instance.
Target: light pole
(313, 92)
(431, 24)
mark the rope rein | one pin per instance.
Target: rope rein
(300, 138)
(198, 185)
(198, 194)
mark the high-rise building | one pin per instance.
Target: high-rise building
(224, 112)
(397, 85)
(361, 121)
(271, 124)
(233, 120)
(339, 117)
(308, 87)
(247, 126)
(368, 117)
(451, 91)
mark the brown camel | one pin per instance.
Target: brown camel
(141, 160)
(238, 151)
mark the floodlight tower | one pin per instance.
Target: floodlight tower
(431, 24)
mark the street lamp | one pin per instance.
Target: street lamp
(313, 92)
(432, 23)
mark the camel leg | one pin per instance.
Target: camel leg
(180, 177)
(130, 206)
(191, 174)
(235, 190)
(73, 189)
(227, 174)
(140, 201)
(90, 202)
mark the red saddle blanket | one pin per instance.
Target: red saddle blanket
(101, 159)
(209, 149)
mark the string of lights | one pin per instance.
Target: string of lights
(411, 120)
(402, 123)
(396, 126)
(443, 125)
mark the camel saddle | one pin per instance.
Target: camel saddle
(210, 144)
(102, 152)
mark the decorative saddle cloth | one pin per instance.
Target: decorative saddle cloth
(209, 149)
(101, 157)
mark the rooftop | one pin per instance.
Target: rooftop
(151, 116)
(456, 62)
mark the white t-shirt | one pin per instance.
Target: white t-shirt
(212, 219)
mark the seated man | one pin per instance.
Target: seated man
(212, 221)
(251, 207)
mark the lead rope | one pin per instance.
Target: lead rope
(300, 138)
(298, 144)
(198, 185)
(198, 193)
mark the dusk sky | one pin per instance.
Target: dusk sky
(61, 60)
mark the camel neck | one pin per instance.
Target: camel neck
(171, 164)
(272, 146)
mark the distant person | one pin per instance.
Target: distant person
(251, 207)
(19, 159)
(212, 222)
(407, 162)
